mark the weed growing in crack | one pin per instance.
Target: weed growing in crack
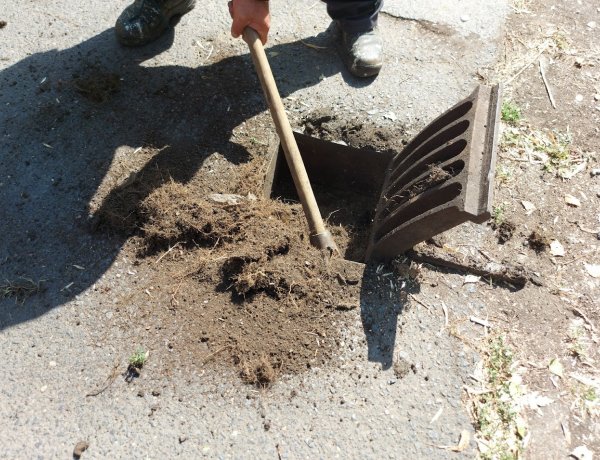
(588, 400)
(138, 359)
(577, 342)
(496, 409)
(551, 149)
(510, 113)
(560, 41)
(498, 214)
(503, 174)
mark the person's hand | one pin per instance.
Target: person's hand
(250, 13)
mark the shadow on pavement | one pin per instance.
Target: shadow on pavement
(58, 146)
(382, 301)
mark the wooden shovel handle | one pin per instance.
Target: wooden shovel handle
(319, 235)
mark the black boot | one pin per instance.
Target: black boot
(362, 52)
(145, 20)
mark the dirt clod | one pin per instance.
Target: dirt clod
(356, 133)
(260, 372)
(538, 241)
(504, 231)
(401, 368)
(3, 24)
(80, 448)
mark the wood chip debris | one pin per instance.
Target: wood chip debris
(471, 279)
(481, 322)
(463, 442)
(593, 270)
(437, 415)
(556, 367)
(566, 432)
(572, 201)
(528, 206)
(582, 453)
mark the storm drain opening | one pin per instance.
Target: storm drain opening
(380, 204)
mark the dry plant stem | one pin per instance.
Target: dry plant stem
(543, 74)
(109, 381)
(537, 56)
(503, 273)
(419, 302)
(212, 355)
(579, 313)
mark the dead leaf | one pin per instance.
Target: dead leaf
(572, 201)
(521, 427)
(586, 380)
(557, 249)
(556, 367)
(593, 270)
(529, 207)
(582, 453)
(534, 400)
(463, 442)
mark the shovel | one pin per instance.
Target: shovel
(320, 237)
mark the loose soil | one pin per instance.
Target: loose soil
(232, 279)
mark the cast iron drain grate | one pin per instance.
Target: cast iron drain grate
(442, 178)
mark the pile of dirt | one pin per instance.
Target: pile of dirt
(232, 278)
(241, 277)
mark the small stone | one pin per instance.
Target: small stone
(595, 172)
(572, 201)
(557, 249)
(52, 364)
(182, 439)
(465, 18)
(591, 24)
(579, 98)
(80, 448)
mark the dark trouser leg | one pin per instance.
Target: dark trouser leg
(354, 15)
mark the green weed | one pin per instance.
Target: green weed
(510, 113)
(496, 411)
(498, 215)
(138, 359)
